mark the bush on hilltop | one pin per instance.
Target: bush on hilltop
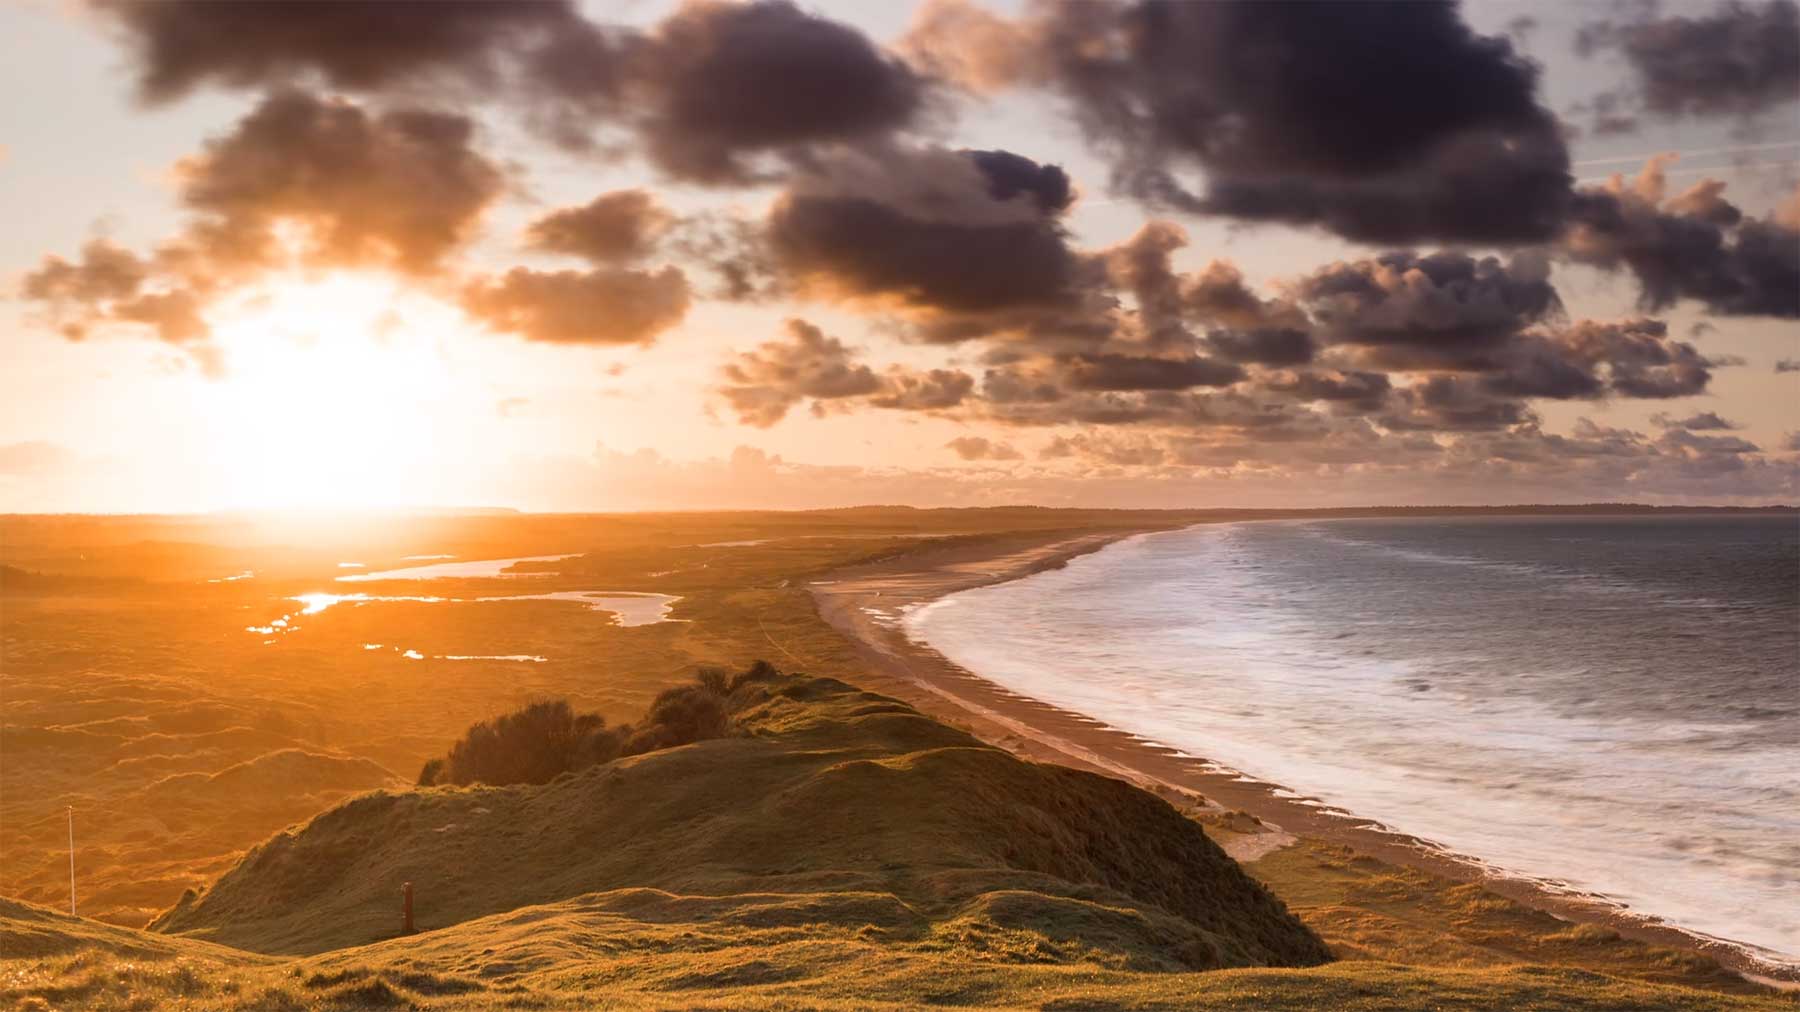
(544, 739)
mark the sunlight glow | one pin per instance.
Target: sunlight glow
(330, 389)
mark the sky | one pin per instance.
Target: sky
(720, 255)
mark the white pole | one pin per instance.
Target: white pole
(71, 860)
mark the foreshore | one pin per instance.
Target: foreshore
(867, 601)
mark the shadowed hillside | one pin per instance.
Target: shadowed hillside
(834, 850)
(825, 804)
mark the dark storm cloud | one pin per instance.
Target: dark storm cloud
(1168, 303)
(1536, 366)
(721, 81)
(1278, 346)
(616, 227)
(1137, 372)
(926, 234)
(1443, 310)
(705, 92)
(1217, 295)
(1696, 245)
(1364, 390)
(764, 384)
(1010, 175)
(1590, 359)
(1143, 266)
(1638, 358)
(1453, 404)
(601, 306)
(1404, 125)
(400, 188)
(363, 45)
(1741, 59)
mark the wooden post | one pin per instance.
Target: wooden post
(407, 891)
(71, 860)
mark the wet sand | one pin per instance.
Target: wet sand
(867, 601)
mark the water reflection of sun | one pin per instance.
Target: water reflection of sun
(329, 392)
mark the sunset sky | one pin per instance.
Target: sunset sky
(712, 255)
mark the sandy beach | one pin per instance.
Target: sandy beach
(866, 602)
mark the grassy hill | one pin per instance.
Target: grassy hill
(838, 851)
(846, 803)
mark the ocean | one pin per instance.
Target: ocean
(1607, 703)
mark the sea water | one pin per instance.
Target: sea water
(1612, 703)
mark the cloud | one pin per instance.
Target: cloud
(112, 288)
(704, 93)
(1406, 124)
(1138, 372)
(1638, 358)
(1367, 391)
(617, 227)
(601, 306)
(300, 181)
(105, 273)
(1444, 403)
(762, 385)
(964, 244)
(982, 448)
(1592, 359)
(719, 82)
(400, 188)
(1443, 310)
(1265, 346)
(181, 45)
(1740, 60)
(1695, 245)
(1704, 421)
(929, 390)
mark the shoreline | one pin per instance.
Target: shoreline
(866, 602)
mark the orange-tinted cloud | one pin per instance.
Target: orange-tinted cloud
(762, 385)
(401, 188)
(617, 227)
(600, 306)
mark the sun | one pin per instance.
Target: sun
(330, 394)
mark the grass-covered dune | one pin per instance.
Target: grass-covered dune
(824, 803)
(833, 849)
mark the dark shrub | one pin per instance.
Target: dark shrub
(536, 744)
(527, 746)
(679, 716)
(761, 671)
(432, 772)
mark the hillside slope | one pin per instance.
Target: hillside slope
(843, 852)
(836, 798)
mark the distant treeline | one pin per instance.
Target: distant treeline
(543, 740)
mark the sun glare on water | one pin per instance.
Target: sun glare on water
(329, 392)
